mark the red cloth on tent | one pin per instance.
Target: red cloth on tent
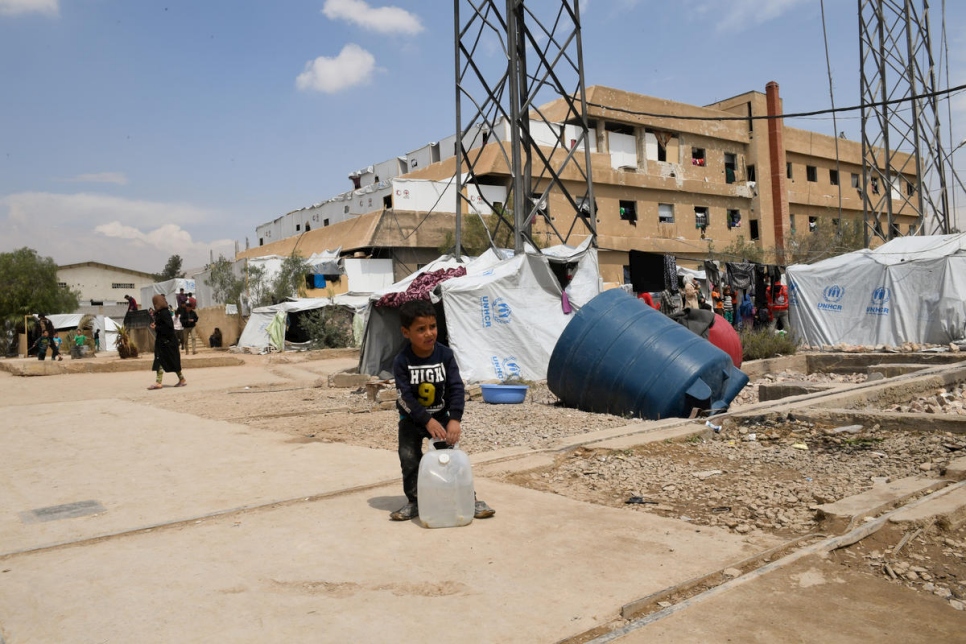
(421, 287)
(723, 335)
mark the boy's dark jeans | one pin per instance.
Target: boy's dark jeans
(411, 438)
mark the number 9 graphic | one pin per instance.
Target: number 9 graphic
(427, 393)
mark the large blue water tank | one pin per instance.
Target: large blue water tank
(619, 356)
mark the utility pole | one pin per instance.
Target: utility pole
(502, 129)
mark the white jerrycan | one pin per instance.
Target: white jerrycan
(445, 488)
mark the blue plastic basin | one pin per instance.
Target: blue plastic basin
(504, 394)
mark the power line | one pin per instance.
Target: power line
(833, 110)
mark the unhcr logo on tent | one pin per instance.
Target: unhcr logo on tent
(832, 295)
(880, 297)
(498, 310)
(506, 368)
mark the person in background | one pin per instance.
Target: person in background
(728, 304)
(97, 339)
(778, 306)
(189, 319)
(40, 344)
(179, 328)
(214, 340)
(691, 294)
(44, 324)
(746, 310)
(132, 304)
(718, 301)
(167, 356)
(182, 298)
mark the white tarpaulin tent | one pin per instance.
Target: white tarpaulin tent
(503, 317)
(169, 289)
(911, 289)
(108, 327)
(257, 333)
(505, 321)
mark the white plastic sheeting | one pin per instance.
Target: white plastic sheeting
(911, 289)
(503, 317)
(257, 333)
(108, 327)
(169, 289)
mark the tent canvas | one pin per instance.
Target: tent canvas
(911, 289)
(168, 288)
(257, 332)
(108, 327)
(502, 318)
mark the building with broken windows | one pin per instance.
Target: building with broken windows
(668, 178)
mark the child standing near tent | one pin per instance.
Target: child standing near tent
(431, 399)
(40, 344)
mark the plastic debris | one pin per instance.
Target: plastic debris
(801, 446)
(715, 428)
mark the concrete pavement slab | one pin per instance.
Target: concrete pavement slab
(337, 570)
(147, 466)
(813, 600)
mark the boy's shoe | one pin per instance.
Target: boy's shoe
(483, 511)
(405, 513)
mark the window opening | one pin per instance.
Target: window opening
(731, 165)
(700, 217)
(751, 173)
(298, 227)
(788, 170)
(665, 213)
(387, 202)
(811, 173)
(697, 156)
(812, 224)
(855, 180)
(833, 177)
(875, 185)
(791, 222)
(910, 188)
(122, 285)
(734, 218)
(628, 210)
(753, 230)
(325, 222)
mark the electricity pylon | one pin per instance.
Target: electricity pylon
(508, 60)
(903, 162)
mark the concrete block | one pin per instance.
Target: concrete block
(880, 498)
(349, 380)
(956, 470)
(779, 390)
(892, 370)
(948, 512)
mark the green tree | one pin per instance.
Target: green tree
(476, 233)
(28, 284)
(172, 270)
(737, 251)
(290, 281)
(828, 238)
(226, 286)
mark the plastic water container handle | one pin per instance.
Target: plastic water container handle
(433, 441)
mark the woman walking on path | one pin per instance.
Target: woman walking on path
(167, 354)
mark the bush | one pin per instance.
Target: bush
(329, 327)
(766, 344)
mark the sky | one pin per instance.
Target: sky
(133, 131)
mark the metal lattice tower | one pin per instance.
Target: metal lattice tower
(901, 138)
(509, 61)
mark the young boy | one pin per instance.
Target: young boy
(431, 399)
(41, 345)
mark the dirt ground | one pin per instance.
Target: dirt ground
(760, 475)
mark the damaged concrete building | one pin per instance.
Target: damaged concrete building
(668, 178)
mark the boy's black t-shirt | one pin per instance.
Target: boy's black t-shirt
(429, 386)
